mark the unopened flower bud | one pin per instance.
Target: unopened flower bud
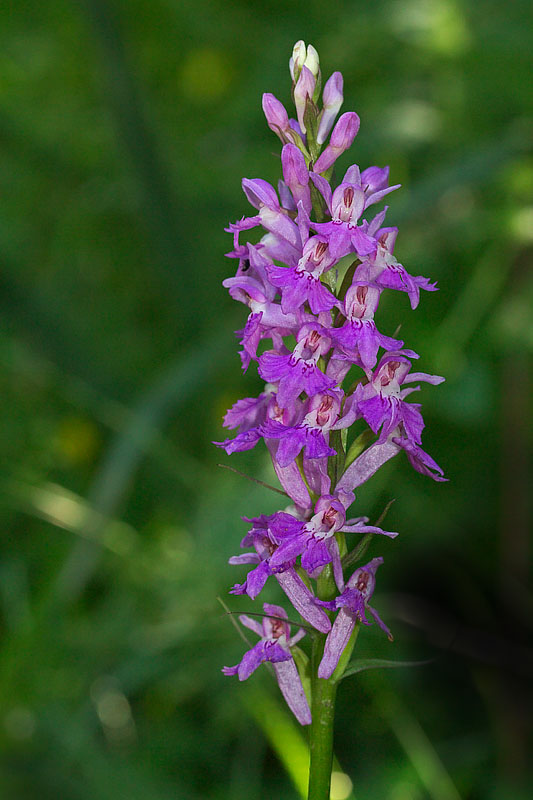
(341, 139)
(276, 116)
(332, 98)
(260, 193)
(302, 92)
(302, 55)
(296, 175)
(312, 61)
(297, 59)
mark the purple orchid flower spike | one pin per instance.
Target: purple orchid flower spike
(307, 329)
(275, 646)
(353, 602)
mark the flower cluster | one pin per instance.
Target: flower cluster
(312, 285)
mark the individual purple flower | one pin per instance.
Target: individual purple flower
(315, 540)
(248, 415)
(381, 402)
(382, 269)
(253, 413)
(332, 101)
(374, 181)
(267, 319)
(297, 372)
(343, 233)
(309, 434)
(353, 602)
(275, 646)
(341, 139)
(302, 284)
(359, 332)
(265, 544)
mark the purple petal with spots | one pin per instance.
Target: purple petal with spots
(337, 640)
(367, 464)
(303, 599)
(292, 690)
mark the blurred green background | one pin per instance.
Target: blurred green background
(125, 129)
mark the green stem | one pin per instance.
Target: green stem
(321, 731)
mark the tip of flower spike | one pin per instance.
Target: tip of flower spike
(303, 56)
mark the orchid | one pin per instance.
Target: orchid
(313, 333)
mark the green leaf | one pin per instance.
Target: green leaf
(363, 664)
